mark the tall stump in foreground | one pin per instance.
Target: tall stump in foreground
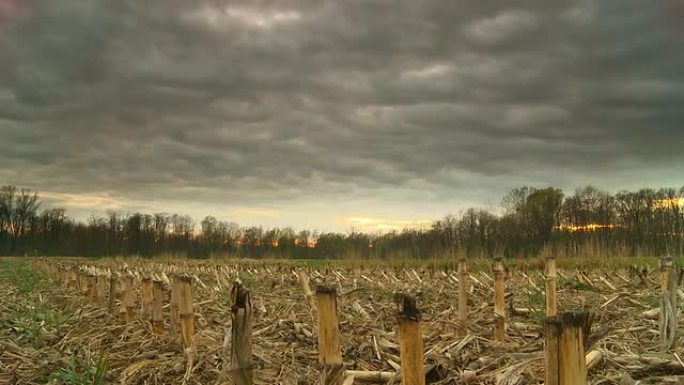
(241, 336)
(499, 300)
(329, 353)
(462, 291)
(113, 279)
(127, 309)
(174, 310)
(565, 359)
(187, 322)
(146, 299)
(550, 287)
(669, 279)
(101, 283)
(411, 341)
(157, 304)
(185, 310)
(91, 288)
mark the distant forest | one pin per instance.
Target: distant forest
(590, 222)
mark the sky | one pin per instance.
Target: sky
(335, 115)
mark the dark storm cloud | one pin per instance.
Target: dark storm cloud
(242, 102)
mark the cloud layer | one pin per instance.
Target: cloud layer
(313, 109)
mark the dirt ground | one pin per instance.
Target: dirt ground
(50, 333)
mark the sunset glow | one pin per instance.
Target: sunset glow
(587, 227)
(385, 224)
(308, 243)
(670, 203)
(85, 200)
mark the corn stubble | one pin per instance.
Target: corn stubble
(623, 345)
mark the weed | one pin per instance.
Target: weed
(82, 371)
(315, 263)
(248, 281)
(31, 320)
(654, 302)
(387, 295)
(21, 275)
(573, 284)
(536, 301)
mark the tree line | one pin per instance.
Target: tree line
(529, 220)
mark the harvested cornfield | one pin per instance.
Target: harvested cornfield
(185, 322)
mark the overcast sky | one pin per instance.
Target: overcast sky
(332, 114)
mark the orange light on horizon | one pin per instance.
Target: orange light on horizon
(386, 224)
(587, 227)
(309, 243)
(670, 203)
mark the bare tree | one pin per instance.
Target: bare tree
(25, 207)
(7, 194)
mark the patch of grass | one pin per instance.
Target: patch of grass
(387, 295)
(20, 275)
(654, 302)
(536, 301)
(33, 322)
(248, 281)
(82, 371)
(316, 263)
(29, 317)
(573, 284)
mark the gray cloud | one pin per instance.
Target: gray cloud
(360, 106)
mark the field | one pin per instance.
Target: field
(58, 326)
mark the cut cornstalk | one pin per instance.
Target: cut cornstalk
(308, 295)
(128, 301)
(566, 363)
(101, 283)
(551, 304)
(113, 278)
(241, 336)
(146, 299)
(370, 376)
(157, 303)
(411, 341)
(174, 313)
(329, 353)
(91, 288)
(669, 313)
(499, 301)
(462, 291)
(185, 310)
